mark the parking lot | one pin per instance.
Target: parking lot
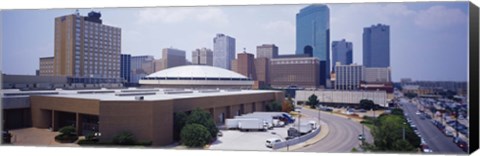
(253, 140)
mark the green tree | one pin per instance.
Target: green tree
(367, 104)
(397, 111)
(179, 121)
(273, 107)
(195, 135)
(312, 101)
(124, 138)
(203, 118)
(402, 146)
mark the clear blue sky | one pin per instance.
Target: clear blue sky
(428, 39)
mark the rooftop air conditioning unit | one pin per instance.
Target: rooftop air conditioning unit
(138, 97)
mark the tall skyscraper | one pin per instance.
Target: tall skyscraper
(313, 36)
(202, 56)
(173, 57)
(137, 69)
(86, 48)
(376, 46)
(46, 66)
(267, 50)
(348, 77)
(223, 51)
(342, 52)
(125, 67)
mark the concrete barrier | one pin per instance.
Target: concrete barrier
(296, 140)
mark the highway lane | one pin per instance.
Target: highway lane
(342, 136)
(434, 138)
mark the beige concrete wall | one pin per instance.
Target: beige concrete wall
(41, 104)
(147, 120)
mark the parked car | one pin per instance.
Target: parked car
(426, 149)
(460, 143)
(361, 137)
(270, 142)
(448, 133)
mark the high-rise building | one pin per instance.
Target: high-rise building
(348, 77)
(267, 50)
(173, 57)
(300, 72)
(342, 52)
(262, 71)
(245, 65)
(158, 65)
(202, 56)
(125, 67)
(46, 66)
(376, 46)
(138, 71)
(223, 51)
(377, 75)
(313, 36)
(86, 48)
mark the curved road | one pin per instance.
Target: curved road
(342, 136)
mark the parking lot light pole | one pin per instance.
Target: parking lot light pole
(282, 138)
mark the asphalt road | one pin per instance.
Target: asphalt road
(435, 139)
(342, 136)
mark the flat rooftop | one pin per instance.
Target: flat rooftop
(149, 94)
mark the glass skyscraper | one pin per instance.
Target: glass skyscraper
(223, 51)
(313, 36)
(376, 46)
(342, 52)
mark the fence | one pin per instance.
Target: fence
(296, 140)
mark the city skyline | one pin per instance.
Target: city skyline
(414, 45)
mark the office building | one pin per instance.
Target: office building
(348, 77)
(377, 75)
(158, 65)
(376, 46)
(202, 56)
(302, 72)
(125, 67)
(223, 51)
(86, 48)
(262, 72)
(342, 51)
(173, 57)
(46, 66)
(244, 64)
(267, 50)
(137, 63)
(313, 36)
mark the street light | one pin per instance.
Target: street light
(282, 138)
(403, 130)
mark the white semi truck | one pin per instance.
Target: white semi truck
(246, 124)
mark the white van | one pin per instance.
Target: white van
(269, 143)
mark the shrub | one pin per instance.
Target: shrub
(202, 118)
(67, 130)
(124, 138)
(67, 135)
(195, 135)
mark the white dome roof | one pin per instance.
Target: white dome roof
(196, 71)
